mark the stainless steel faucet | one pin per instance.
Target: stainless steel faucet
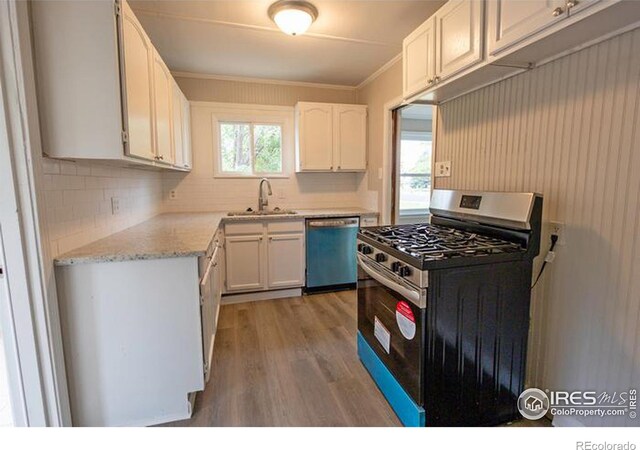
(262, 199)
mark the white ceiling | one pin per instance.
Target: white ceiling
(349, 41)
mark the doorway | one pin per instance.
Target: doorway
(412, 155)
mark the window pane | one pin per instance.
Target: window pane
(268, 148)
(415, 156)
(414, 193)
(235, 147)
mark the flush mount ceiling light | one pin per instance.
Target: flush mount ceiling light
(293, 17)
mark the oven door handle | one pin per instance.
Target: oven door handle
(410, 294)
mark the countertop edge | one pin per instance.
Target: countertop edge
(63, 261)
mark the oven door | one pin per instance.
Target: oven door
(392, 323)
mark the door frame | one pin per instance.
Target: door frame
(387, 158)
(387, 155)
(29, 317)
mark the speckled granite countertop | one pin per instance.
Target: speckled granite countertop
(175, 235)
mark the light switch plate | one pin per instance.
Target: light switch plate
(443, 169)
(115, 206)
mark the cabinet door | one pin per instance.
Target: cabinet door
(350, 143)
(579, 5)
(207, 316)
(186, 133)
(163, 94)
(511, 21)
(245, 266)
(418, 59)
(314, 133)
(138, 54)
(459, 36)
(178, 125)
(286, 260)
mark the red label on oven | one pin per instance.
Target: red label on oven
(405, 319)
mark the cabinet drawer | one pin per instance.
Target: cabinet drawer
(249, 227)
(285, 226)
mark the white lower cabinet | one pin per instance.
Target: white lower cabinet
(264, 255)
(210, 295)
(285, 255)
(245, 263)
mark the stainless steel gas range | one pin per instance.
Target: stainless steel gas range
(443, 314)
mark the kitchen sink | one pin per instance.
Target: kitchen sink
(273, 212)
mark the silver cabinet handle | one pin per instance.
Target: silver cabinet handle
(556, 12)
(436, 80)
(213, 261)
(430, 80)
(571, 4)
(410, 294)
(340, 223)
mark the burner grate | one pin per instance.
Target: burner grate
(432, 242)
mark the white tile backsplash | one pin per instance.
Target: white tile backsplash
(78, 201)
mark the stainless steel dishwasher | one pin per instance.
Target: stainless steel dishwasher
(331, 253)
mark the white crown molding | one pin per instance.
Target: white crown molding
(207, 76)
(380, 71)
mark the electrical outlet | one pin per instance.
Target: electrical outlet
(173, 194)
(557, 228)
(443, 169)
(115, 206)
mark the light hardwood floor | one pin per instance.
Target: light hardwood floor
(290, 362)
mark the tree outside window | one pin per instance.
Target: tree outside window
(250, 148)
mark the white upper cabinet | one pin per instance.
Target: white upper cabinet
(511, 21)
(138, 54)
(181, 113)
(104, 93)
(163, 94)
(459, 37)
(331, 137)
(187, 161)
(314, 136)
(419, 58)
(178, 135)
(350, 142)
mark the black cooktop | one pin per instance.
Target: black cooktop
(424, 243)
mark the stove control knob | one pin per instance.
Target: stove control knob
(395, 266)
(381, 257)
(366, 250)
(404, 271)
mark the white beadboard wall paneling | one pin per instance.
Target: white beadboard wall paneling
(570, 130)
(78, 201)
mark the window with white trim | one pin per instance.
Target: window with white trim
(248, 148)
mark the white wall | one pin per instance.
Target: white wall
(569, 130)
(200, 191)
(6, 418)
(78, 201)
